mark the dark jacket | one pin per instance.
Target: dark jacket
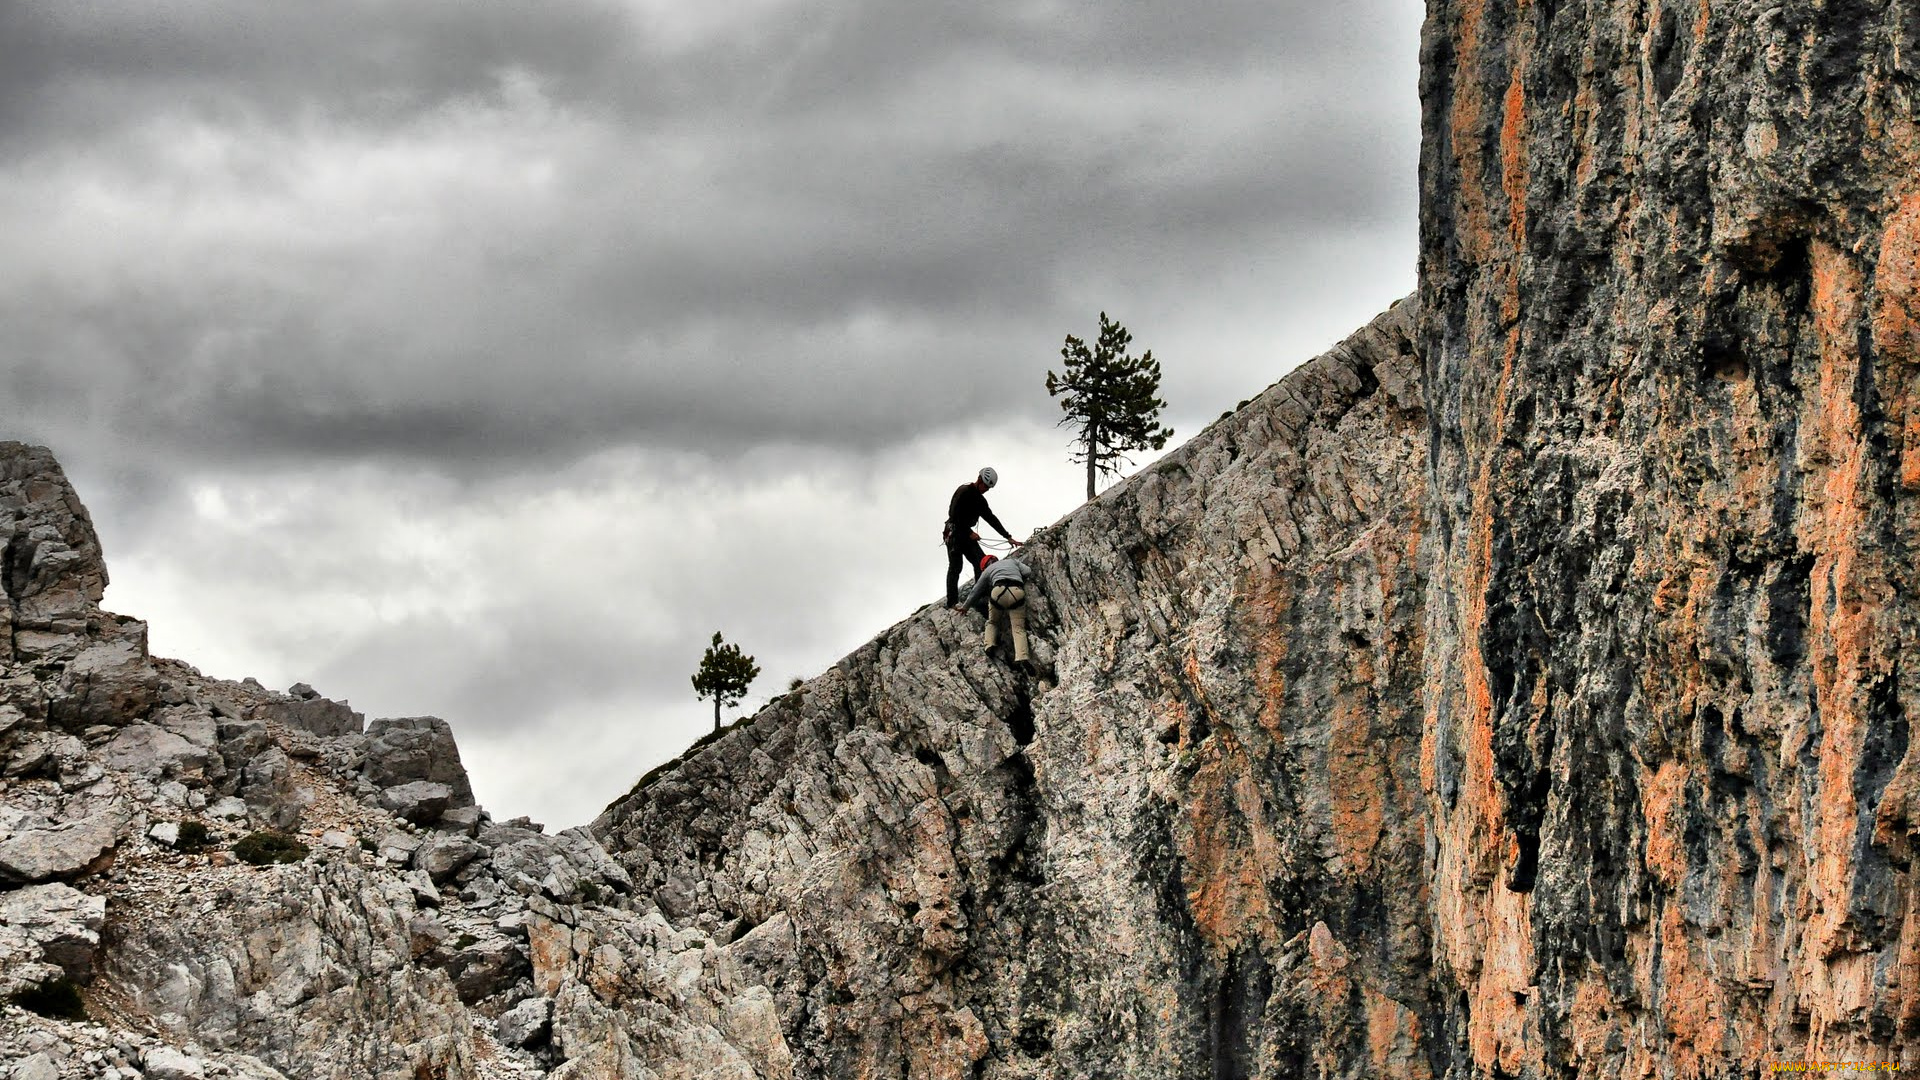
(969, 505)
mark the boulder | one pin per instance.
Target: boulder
(488, 966)
(444, 856)
(58, 924)
(529, 862)
(401, 751)
(62, 851)
(37, 1067)
(314, 714)
(241, 741)
(13, 723)
(197, 725)
(268, 787)
(526, 1024)
(420, 801)
(74, 766)
(398, 847)
(424, 934)
(166, 1063)
(110, 680)
(464, 820)
(53, 563)
(154, 752)
(30, 755)
(246, 1067)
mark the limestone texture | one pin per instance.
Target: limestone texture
(190, 963)
(1671, 330)
(1193, 845)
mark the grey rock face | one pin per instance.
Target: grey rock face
(53, 924)
(444, 856)
(1528, 704)
(928, 864)
(313, 714)
(420, 801)
(526, 1023)
(1670, 290)
(267, 786)
(419, 748)
(307, 966)
(62, 851)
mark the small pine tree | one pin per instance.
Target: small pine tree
(724, 675)
(1111, 397)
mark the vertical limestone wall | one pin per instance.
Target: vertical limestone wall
(1668, 289)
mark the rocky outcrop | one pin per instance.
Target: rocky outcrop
(128, 784)
(48, 925)
(305, 709)
(413, 766)
(1193, 846)
(1669, 289)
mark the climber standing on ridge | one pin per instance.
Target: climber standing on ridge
(1001, 592)
(967, 507)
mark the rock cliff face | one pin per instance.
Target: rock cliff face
(1669, 287)
(1192, 846)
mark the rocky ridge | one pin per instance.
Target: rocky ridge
(394, 945)
(1192, 846)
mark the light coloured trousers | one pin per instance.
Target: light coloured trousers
(1008, 604)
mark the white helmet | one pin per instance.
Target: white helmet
(988, 477)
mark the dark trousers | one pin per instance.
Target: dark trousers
(961, 547)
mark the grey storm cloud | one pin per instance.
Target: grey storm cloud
(378, 61)
(482, 360)
(638, 223)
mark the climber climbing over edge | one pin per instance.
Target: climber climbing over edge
(1001, 592)
(964, 510)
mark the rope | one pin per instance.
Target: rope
(990, 545)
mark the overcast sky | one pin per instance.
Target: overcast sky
(482, 360)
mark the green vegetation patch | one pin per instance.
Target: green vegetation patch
(193, 837)
(267, 847)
